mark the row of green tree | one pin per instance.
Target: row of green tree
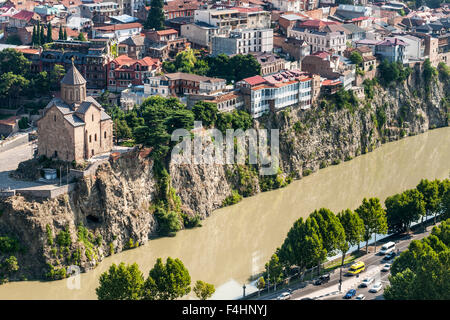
(423, 271)
(167, 281)
(322, 234)
(232, 69)
(18, 82)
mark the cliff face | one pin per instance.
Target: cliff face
(113, 206)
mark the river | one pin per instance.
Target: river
(235, 242)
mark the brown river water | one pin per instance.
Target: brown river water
(235, 242)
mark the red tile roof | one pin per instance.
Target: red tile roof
(166, 32)
(23, 15)
(316, 23)
(254, 80)
(119, 26)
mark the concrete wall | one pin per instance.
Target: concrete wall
(10, 144)
(47, 193)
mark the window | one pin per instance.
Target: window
(104, 135)
(92, 118)
(95, 137)
(54, 117)
(90, 138)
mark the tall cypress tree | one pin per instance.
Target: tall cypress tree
(61, 34)
(34, 37)
(49, 33)
(155, 18)
(65, 34)
(42, 36)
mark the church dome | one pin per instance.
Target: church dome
(73, 77)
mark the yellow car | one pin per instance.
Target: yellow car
(356, 268)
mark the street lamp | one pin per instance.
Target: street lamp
(243, 287)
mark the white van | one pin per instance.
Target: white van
(387, 248)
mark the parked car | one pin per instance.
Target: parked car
(361, 297)
(322, 279)
(350, 294)
(284, 296)
(376, 287)
(386, 267)
(366, 282)
(389, 256)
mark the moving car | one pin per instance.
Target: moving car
(361, 297)
(389, 256)
(376, 287)
(322, 279)
(350, 294)
(387, 247)
(284, 296)
(366, 282)
(386, 267)
(356, 268)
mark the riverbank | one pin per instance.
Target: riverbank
(236, 241)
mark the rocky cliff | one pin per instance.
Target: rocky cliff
(112, 210)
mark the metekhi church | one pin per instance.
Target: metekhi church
(74, 127)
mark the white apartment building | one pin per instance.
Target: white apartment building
(275, 92)
(235, 18)
(243, 42)
(287, 5)
(107, 9)
(321, 41)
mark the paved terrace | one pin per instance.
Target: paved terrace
(10, 159)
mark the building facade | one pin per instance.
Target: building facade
(275, 92)
(243, 41)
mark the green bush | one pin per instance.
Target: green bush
(234, 198)
(9, 245)
(63, 239)
(169, 221)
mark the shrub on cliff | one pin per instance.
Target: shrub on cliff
(169, 221)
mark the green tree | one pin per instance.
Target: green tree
(11, 264)
(403, 209)
(65, 34)
(430, 192)
(374, 219)
(169, 221)
(445, 200)
(56, 75)
(49, 38)
(14, 61)
(260, 284)
(42, 37)
(34, 38)
(61, 33)
(354, 229)
(81, 37)
(422, 272)
(167, 282)
(274, 270)
(356, 58)
(204, 290)
(122, 282)
(303, 246)
(206, 112)
(11, 86)
(244, 66)
(155, 18)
